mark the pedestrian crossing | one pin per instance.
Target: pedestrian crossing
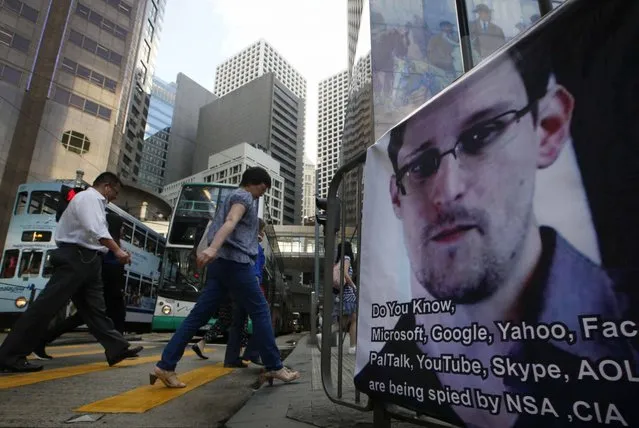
(140, 399)
(144, 398)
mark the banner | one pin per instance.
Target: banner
(498, 282)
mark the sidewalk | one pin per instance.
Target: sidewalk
(304, 403)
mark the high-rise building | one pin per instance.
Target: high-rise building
(359, 121)
(254, 61)
(156, 135)
(354, 17)
(133, 145)
(284, 137)
(262, 112)
(332, 98)
(228, 166)
(308, 185)
(190, 97)
(65, 77)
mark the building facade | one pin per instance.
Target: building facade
(228, 166)
(133, 145)
(190, 97)
(265, 113)
(255, 61)
(354, 17)
(156, 136)
(66, 69)
(308, 203)
(332, 98)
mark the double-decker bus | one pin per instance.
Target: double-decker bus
(181, 281)
(25, 265)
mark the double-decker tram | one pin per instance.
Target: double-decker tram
(25, 266)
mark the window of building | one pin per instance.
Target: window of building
(21, 9)
(146, 51)
(10, 74)
(76, 142)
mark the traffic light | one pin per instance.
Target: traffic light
(66, 195)
(321, 215)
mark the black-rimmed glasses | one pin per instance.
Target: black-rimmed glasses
(472, 143)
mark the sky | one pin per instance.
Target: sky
(198, 35)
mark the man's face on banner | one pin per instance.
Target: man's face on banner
(468, 175)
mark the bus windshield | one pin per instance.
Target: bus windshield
(179, 271)
(196, 206)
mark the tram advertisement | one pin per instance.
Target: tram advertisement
(509, 204)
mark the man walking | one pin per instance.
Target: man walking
(113, 284)
(83, 238)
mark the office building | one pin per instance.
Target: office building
(255, 61)
(65, 83)
(133, 145)
(156, 135)
(308, 192)
(228, 166)
(354, 16)
(332, 98)
(265, 113)
(190, 97)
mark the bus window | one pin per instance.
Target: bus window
(132, 290)
(160, 250)
(146, 296)
(44, 202)
(36, 236)
(30, 263)
(151, 244)
(21, 203)
(47, 270)
(10, 263)
(139, 238)
(127, 231)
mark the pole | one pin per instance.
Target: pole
(316, 275)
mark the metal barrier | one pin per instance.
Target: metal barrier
(348, 183)
(334, 387)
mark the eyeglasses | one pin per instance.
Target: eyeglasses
(473, 145)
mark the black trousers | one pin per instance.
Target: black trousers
(77, 275)
(113, 280)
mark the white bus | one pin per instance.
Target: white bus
(25, 265)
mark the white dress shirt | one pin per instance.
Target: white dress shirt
(84, 221)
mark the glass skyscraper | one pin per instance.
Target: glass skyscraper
(156, 134)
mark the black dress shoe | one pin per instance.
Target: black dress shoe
(41, 353)
(199, 352)
(128, 353)
(236, 365)
(21, 366)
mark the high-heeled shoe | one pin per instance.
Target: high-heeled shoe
(168, 378)
(284, 374)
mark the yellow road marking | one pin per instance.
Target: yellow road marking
(144, 398)
(64, 372)
(75, 354)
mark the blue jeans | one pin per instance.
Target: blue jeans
(224, 277)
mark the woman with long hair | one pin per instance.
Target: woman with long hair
(349, 292)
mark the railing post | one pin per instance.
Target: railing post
(381, 418)
(545, 7)
(312, 340)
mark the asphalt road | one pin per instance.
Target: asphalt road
(78, 383)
